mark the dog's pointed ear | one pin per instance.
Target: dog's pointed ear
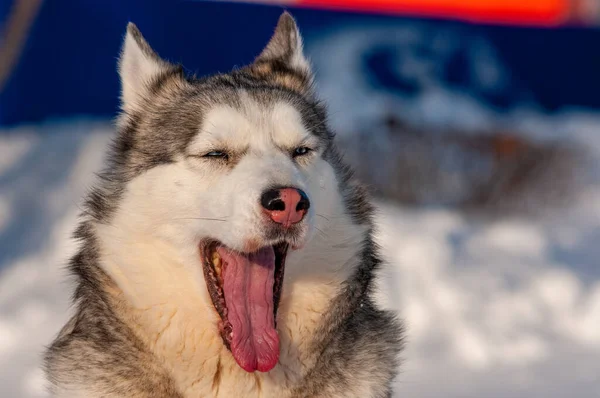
(283, 56)
(139, 67)
(286, 45)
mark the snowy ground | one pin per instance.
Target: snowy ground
(44, 171)
(509, 308)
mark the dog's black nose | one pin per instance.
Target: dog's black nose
(286, 206)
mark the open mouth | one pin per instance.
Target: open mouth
(245, 289)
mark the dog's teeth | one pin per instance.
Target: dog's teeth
(216, 260)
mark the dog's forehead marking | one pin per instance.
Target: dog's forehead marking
(253, 124)
(288, 128)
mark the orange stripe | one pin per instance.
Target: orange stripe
(536, 12)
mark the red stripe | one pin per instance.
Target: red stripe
(521, 12)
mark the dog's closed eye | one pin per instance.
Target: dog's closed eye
(218, 154)
(301, 151)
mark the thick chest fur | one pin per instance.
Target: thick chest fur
(184, 363)
(193, 352)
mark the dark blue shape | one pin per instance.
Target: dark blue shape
(68, 66)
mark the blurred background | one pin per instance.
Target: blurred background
(475, 123)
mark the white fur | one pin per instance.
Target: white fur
(136, 69)
(298, 60)
(151, 247)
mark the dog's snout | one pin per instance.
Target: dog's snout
(285, 206)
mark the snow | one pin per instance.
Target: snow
(45, 171)
(492, 309)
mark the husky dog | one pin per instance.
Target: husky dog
(227, 251)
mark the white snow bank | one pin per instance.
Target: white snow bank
(45, 172)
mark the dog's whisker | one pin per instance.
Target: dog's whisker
(325, 217)
(322, 216)
(201, 218)
(329, 217)
(322, 232)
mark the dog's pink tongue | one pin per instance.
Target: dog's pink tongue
(248, 288)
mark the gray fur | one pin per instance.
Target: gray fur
(97, 350)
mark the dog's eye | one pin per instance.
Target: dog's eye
(216, 154)
(301, 151)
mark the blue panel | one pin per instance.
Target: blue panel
(68, 66)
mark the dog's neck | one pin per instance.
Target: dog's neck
(166, 302)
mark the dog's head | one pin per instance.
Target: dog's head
(230, 175)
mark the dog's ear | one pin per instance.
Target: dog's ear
(286, 45)
(283, 59)
(139, 68)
